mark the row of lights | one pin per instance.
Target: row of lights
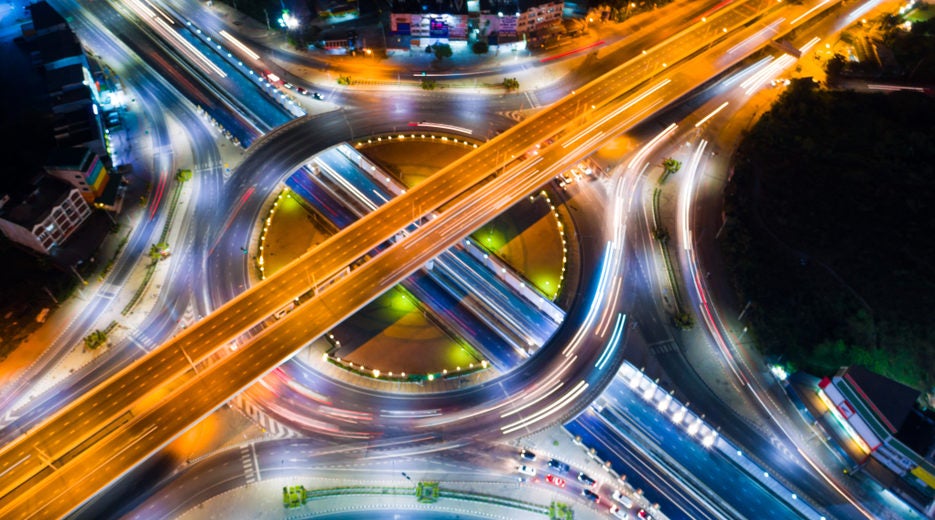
(427, 137)
(679, 416)
(269, 219)
(561, 234)
(399, 376)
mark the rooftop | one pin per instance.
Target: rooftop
(32, 203)
(891, 401)
(44, 16)
(70, 158)
(57, 45)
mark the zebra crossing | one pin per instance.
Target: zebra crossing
(251, 466)
(663, 347)
(141, 340)
(270, 426)
(533, 99)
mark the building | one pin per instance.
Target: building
(43, 214)
(887, 434)
(73, 93)
(81, 168)
(422, 23)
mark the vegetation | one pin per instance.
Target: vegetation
(441, 51)
(560, 511)
(511, 83)
(344, 80)
(427, 492)
(95, 339)
(902, 54)
(183, 175)
(480, 47)
(429, 84)
(829, 227)
(670, 166)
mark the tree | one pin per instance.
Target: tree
(442, 51)
(344, 80)
(480, 47)
(183, 175)
(835, 66)
(510, 83)
(429, 84)
(671, 165)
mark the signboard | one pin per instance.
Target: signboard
(508, 26)
(438, 28)
(403, 28)
(846, 409)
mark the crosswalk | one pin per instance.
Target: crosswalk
(663, 347)
(141, 340)
(251, 468)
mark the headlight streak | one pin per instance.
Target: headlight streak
(771, 27)
(237, 43)
(547, 411)
(806, 13)
(612, 343)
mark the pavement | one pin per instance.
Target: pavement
(263, 498)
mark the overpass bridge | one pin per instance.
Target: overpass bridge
(88, 444)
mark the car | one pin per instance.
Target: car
(302, 90)
(317, 96)
(623, 499)
(289, 86)
(528, 455)
(643, 514)
(526, 470)
(271, 77)
(619, 513)
(590, 495)
(586, 479)
(555, 481)
(585, 168)
(558, 465)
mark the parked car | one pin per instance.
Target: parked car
(590, 495)
(526, 470)
(619, 513)
(555, 481)
(558, 465)
(588, 481)
(623, 499)
(528, 455)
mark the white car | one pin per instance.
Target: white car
(526, 470)
(623, 499)
(619, 513)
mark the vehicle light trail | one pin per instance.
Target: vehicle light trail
(545, 412)
(712, 114)
(612, 343)
(237, 43)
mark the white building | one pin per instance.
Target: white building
(44, 215)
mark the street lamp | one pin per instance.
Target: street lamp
(288, 20)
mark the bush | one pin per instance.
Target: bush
(480, 47)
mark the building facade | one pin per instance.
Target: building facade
(43, 215)
(80, 167)
(894, 438)
(424, 23)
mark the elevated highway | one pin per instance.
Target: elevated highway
(87, 445)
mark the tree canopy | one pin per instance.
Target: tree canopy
(829, 226)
